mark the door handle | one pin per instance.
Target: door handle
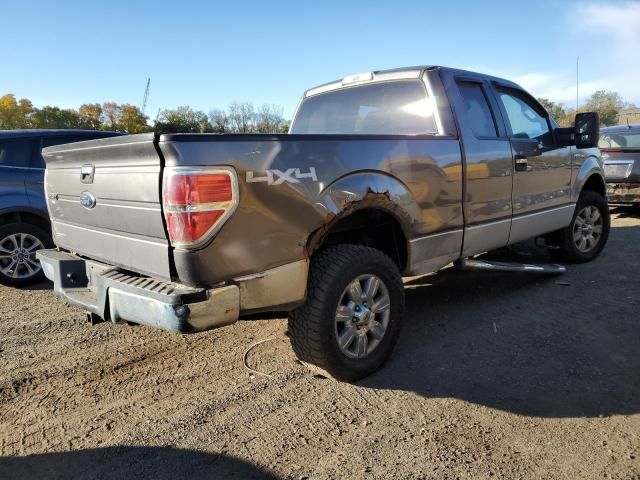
(522, 165)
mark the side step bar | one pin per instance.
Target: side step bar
(490, 266)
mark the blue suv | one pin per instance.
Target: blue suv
(24, 220)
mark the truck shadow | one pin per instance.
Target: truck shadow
(626, 211)
(123, 462)
(564, 346)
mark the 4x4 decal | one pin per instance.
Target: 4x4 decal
(278, 177)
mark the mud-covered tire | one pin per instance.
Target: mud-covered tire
(28, 234)
(314, 326)
(567, 247)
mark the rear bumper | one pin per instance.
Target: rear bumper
(623, 192)
(115, 295)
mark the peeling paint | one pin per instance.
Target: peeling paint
(374, 200)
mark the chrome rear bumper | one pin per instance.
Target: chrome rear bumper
(115, 295)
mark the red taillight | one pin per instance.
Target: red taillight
(186, 189)
(197, 201)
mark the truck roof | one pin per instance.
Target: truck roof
(53, 132)
(395, 74)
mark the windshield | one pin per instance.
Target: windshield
(389, 108)
(629, 139)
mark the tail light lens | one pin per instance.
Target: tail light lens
(197, 202)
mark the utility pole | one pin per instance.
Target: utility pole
(145, 98)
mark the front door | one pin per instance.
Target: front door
(488, 165)
(542, 170)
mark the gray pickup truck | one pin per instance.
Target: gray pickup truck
(383, 174)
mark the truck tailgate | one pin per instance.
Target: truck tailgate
(104, 202)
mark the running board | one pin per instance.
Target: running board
(488, 266)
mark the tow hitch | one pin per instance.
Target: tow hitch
(491, 266)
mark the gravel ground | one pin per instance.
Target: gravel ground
(495, 376)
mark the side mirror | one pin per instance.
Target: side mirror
(587, 130)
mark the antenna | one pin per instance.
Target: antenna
(577, 80)
(145, 98)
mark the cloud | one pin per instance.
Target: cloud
(620, 20)
(616, 28)
(607, 38)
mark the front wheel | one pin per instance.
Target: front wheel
(351, 319)
(586, 236)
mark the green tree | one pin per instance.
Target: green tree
(132, 120)
(110, 116)
(607, 104)
(183, 119)
(556, 110)
(15, 114)
(91, 115)
(54, 117)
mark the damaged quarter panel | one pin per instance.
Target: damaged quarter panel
(293, 185)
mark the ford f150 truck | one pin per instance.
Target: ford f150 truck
(382, 174)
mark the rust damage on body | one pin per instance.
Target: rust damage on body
(371, 200)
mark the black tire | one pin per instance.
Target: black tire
(312, 327)
(568, 251)
(10, 229)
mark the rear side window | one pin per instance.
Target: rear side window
(619, 140)
(15, 153)
(476, 110)
(525, 119)
(390, 108)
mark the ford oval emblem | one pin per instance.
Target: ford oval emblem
(87, 200)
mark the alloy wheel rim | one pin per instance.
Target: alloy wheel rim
(18, 256)
(362, 317)
(587, 229)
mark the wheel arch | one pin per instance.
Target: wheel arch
(590, 177)
(32, 216)
(365, 203)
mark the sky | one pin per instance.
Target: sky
(207, 54)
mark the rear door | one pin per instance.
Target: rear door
(104, 201)
(14, 164)
(542, 169)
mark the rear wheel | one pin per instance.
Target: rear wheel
(19, 243)
(351, 319)
(586, 236)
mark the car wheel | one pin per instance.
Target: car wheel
(586, 236)
(19, 243)
(351, 319)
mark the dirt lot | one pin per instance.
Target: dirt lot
(495, 376)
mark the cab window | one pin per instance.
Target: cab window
(524, 118)
(476, 110)
(389, 108)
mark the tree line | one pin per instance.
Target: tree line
(239, 117)
(607, 104)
